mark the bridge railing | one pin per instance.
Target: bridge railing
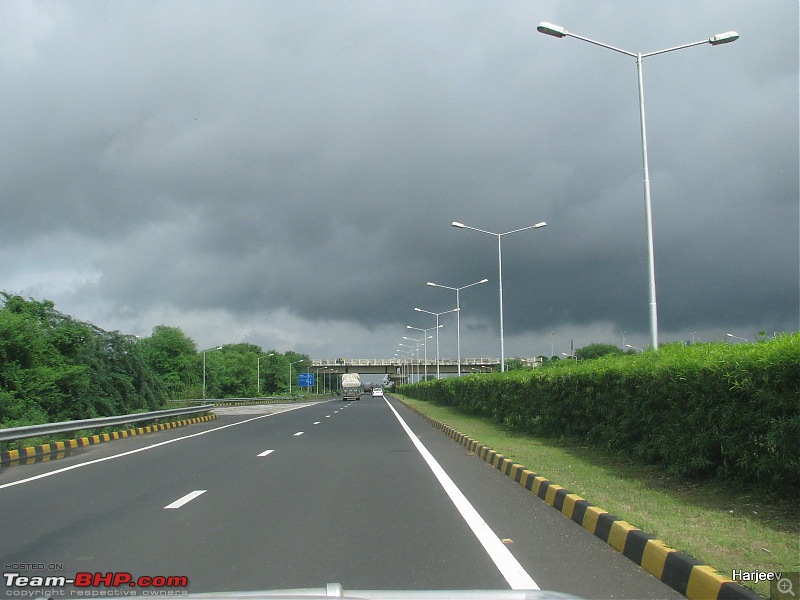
(387, 362)
(365, 362)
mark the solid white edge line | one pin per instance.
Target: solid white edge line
(514, 573)
(187, 498)
(186, 437)
(265, 452)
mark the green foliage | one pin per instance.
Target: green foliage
(173, 357)
(55, 368)
(709, 410)
(233, 371)
(596, 351)
(516, 364)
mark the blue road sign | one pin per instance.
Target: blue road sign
(305, 380)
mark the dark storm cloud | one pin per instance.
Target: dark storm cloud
(259, 157)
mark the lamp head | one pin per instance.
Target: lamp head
(723, 38)
(550, 29)
(457, 224)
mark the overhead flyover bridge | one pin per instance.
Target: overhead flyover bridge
(404, 370)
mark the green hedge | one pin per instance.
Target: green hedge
(707, 410)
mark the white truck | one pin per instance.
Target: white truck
(351, 387)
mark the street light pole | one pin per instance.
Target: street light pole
(427, 337)
(204, 368)
(326, 385)
(500, 274)
(403, 367)
(412, 349)
(290, 373)
(458, 316)
(417, 343)
(722, 38)
(437, 332)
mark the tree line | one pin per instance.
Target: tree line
(54, 367)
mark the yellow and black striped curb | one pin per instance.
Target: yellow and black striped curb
(248, 403)
(45, 452)
(679, 571)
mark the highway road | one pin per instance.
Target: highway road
(366, 494)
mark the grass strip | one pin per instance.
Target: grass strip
(723, 526)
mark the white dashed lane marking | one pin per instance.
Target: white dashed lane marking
(187, 498)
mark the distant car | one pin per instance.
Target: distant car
(377, 391)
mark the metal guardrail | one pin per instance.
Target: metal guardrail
(19, 433)
(216, 401)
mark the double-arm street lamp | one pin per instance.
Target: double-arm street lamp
(437, 315)
(414, 350)
(290, 373)
(458, 316)
(722, 38)
(403, 365)
(426, 338)
(417, 342)
(500, 274)
(204, 368)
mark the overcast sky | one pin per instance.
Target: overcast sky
(285, 173)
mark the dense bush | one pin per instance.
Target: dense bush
(56, 368)
(708, 410)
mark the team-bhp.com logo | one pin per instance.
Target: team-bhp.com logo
(85, 579)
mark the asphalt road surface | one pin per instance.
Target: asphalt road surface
(366, 494)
